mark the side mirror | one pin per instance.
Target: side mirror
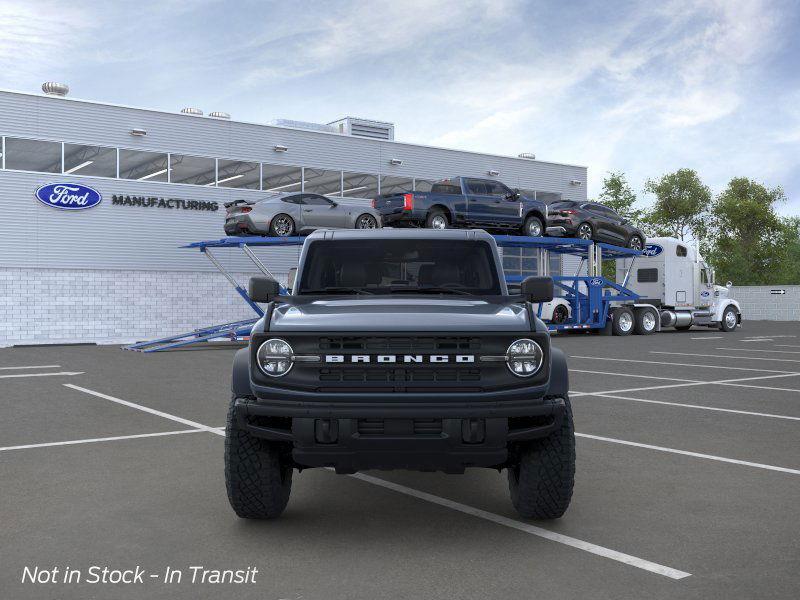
(334, 204)
(729, 285)
(537, 289)
(292, 277)
(263, 289)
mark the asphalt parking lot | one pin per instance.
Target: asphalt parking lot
(687, 484)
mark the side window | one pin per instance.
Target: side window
(292, 200)
(476, 186)
(647, 275)
(681, 250)
(495, 188)
(445, 188)
(704, 276)
(315, 200)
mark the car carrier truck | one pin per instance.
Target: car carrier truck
(671, 277)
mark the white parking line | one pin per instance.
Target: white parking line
(698, 406)
(787, 346)
(734, 382)
(104, 439)
(759, 350)
(31, 367)
(64, 373)
(674, 364)
(633, 375)
(687, 453)
(792, 360)
(708, 337)
(146, 409)
(627, 559)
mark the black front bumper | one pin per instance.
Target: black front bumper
(420, 440)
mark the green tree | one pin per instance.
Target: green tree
(681, 205)
(618, 195)
(750, 243)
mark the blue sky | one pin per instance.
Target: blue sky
(641, 87)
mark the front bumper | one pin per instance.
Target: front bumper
(420, 442)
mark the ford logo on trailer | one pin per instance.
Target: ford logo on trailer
(652, 250)
(68, 196)
(596, 282)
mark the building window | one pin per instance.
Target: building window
(96, 161)
(33, 155)
(396, 185)
(320, 181)
(194, 170)
(359, 185)
(280, 178)
(143, 166)
(423, 185)
(237, 174)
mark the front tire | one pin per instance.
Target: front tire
(729, 320)
(541, 482)
(533, 227)
(281, 226)
(635, 243)
(437, 220)
(256, 477)
(584, 232)
(366, 221)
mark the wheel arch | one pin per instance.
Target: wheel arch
(240, 381)
(444, 208)
(559, 374)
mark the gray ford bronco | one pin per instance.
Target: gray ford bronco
(400, 349)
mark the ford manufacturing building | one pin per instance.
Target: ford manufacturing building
(117, 272)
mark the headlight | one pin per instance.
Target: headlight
(524, 357)
(274, 357)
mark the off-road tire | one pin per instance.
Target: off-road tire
(723, 325)
(433, 215)
(640, 324)
(530, 223)
(541, 483)
(619, 324)
(257, 480)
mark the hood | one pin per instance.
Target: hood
(410, 314)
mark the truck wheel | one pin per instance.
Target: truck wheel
(257, 480)
(541, 483)
(533, 227)
(437, 220)
(645, 323)
(729, 319)
(622, 322)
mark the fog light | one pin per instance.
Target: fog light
(524, 357)
(274, 357)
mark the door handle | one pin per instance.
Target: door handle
(307, 210)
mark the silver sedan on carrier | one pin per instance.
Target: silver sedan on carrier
(286, 214)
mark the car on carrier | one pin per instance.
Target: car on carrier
(465, 202)
(593, 221)
(287, 214)
(400, 349)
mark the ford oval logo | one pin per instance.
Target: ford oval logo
(705, 294)
(596, 282)
(652, 250)
(68, 196)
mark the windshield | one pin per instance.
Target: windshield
(444, 266)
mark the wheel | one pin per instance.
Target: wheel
(622, 323)
(282, 226)
(541, 482)
(645, 321)
(560, 314)
(366, 221)
(635, 243)
(437, 220)
(729, 319)
(533, 227)
(257, 479)
(584, 231)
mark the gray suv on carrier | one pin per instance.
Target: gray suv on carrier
(400, 349)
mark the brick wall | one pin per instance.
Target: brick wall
(758, 303)
(47, 306)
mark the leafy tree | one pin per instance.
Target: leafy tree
(750, 243)
(681, 205)
(618, 195)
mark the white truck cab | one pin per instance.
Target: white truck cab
(673, 277)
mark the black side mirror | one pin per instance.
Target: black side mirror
(334, 204)
(537, 289)
(263, 289)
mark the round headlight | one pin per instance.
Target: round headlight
(275, 357)
(524, 357)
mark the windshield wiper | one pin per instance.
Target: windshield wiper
(433, 290)
(338, 290)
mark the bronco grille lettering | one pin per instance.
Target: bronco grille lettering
(405, 358)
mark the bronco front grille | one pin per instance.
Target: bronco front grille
(399, 344)
(393, 375)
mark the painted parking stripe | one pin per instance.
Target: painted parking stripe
(674, 364)
(31, 367)
(698, 406)
(146, 409)
(792, 360)
(627, 559)
(759, 350)
(708, 337)
(103, 439)
(688, 453)
(633, 375)
(61, 373)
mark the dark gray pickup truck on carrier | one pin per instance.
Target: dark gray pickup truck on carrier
(465, 202)
(400, 349)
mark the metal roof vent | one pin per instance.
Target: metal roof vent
(51, 88)
(192, 111)
(377, 130)
(527, 155)
(219, 115)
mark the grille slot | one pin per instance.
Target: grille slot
(400, 345)
(380, 375)
(399, 427)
